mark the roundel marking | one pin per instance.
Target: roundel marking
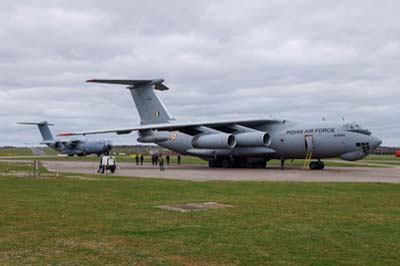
(173, 136)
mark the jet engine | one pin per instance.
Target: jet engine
(214, 141)
(252, 139)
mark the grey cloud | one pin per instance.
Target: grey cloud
(296, 60)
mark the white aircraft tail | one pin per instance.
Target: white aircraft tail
(150, 107)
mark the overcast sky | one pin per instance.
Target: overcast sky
(295, 60)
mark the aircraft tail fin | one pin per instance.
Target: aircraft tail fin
(43, 128)
(150, 107)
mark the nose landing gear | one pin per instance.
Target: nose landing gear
(317, 165)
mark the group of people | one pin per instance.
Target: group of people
(109, 163)
(139, 158)
(156, 159)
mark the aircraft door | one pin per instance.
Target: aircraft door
(309, 143)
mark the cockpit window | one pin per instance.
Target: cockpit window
(354, 127)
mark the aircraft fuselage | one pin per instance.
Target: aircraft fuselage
(289, 140)
(81, 149)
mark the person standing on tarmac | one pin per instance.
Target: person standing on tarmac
(156, 158)
(179, 159)
(103, 163)
(137, 159)
(161, 162)
(100, 164)
(167, 158)
(141, 159)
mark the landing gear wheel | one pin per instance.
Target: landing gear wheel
(212, 164)
(262, 164)
(314, 165)
(225, 164)
(112, 169)
(317, 165)
(239, 163)
(258, 165)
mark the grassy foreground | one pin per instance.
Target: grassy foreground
(111, 220)
(15, 152)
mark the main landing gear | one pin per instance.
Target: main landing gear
(236, 163)
(317, 165)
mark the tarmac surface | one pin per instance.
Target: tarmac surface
(204, 173)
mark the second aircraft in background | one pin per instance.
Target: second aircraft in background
(70, 147)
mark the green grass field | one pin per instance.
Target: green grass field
(6, 167)
(111, 220)
(384, 157)
(22, 167)
(15, 152)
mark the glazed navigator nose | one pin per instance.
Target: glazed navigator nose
(375, 141)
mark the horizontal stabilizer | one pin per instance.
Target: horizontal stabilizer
(133, 82)
(36, 123)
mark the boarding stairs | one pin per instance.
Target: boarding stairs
(307, 161)
(309, 147)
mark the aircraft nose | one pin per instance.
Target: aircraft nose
(375, 141)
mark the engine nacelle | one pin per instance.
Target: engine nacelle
(214, 141)
(252, 139)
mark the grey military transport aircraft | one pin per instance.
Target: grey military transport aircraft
(240, 142)
(70, 147)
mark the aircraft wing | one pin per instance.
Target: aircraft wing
(188, 127)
